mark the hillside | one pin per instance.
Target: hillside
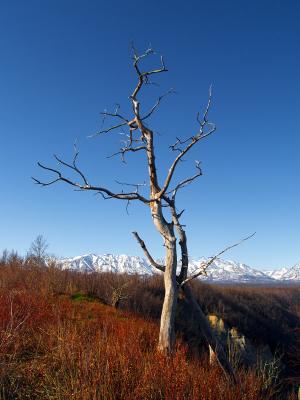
(61, 339)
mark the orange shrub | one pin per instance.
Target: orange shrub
(58, 340)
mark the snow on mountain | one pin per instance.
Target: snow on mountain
(277, 274)
(108, 263)
(220, 270)
(230, 271)
(292, 273)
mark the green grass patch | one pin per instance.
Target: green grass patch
(83, 297)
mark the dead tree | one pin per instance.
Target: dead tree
(160, 198)
(38, 250)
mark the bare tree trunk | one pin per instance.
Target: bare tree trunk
(167, 321)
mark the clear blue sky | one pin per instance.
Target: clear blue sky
(62, 62)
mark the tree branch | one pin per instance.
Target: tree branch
(143, 76)
(73, 167)
(186, 182)
(124, 150)
(108, 129)
(157, 104)
(106, 193)
(201, 134)
(206, 265)
(147, 254)
(182, 242)
(115, 114)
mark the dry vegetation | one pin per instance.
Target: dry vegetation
(60, 338)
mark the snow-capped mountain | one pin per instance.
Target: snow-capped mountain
(230, 271)
(277, 274)
(219, 271)
(292, 274)
(108, 263)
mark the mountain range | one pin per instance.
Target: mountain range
(219, 271)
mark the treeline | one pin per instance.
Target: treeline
(266, 315)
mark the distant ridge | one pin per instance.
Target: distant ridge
(219, 271)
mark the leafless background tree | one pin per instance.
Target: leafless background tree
(161, 199)
(38, 250)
